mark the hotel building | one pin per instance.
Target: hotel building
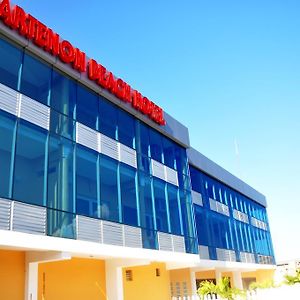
(101, 194)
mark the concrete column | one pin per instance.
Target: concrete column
(218, 275)
(237, 279)
(31, 281)
(193, 283)
(114, 281)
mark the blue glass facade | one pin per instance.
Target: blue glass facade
(218, 230)
(50, 169)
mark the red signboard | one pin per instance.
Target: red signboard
(42, 36)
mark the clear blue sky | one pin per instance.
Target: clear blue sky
(228, 70)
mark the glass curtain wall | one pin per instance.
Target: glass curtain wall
(47, 168)
(216, 230)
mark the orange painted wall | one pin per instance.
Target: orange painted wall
(76, 279)
(180, 277)
(145, 284)
(206, 275)
(12, 275)
(260, 275)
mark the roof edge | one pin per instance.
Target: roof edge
(200, 161)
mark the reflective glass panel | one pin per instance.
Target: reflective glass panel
(186, 214)
(181, 160)
(202, 225)
(62, 125)
(63, 94)
(160, 205)
(145, 198)
(169, 152)
(144, 140)
(108, 118)
(174, 209)
(128, 195)
(109, 189)
(36, 78)
(143, 163)
(61, 174)
(86, 182)
(29, 175)
(126, 129)
(195, 179)
(149, 239)
(87, 107)
(10, 62)
(7, 126)
(61, 224)
(156, 145)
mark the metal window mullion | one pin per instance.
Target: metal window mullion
(119, 192)
(179, 211)
(74, 146)
(230, 220)
(13, 158)
(46, 163)
(193, 216)
(236, 236)
(50, 85)
(153, 201)
(98, 182)
(167, 207)
(137, 197)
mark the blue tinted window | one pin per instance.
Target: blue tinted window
(63, 94)
(160, 205)
(128, 195)
(87, 107)
(195, 179)
(210, 188)
(126, 129)
(29, 175)
(108, 118)
(7, 127)
(201, 218)
(218, 192)
(60, 174)
(109, 189)
(149, 239)
(181, 160)
(156, 145)
(238, 236)
(220, 231)
(36, 78)
(186, 214)
(145, 197)
(86, 182)
(169, 153)
(143, 163)
(62, 125)
(10, 62)
(61, 224)
(184, 181)
(144, 140)
(174, 209)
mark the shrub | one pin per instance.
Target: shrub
(222, 289)
(291, 280)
